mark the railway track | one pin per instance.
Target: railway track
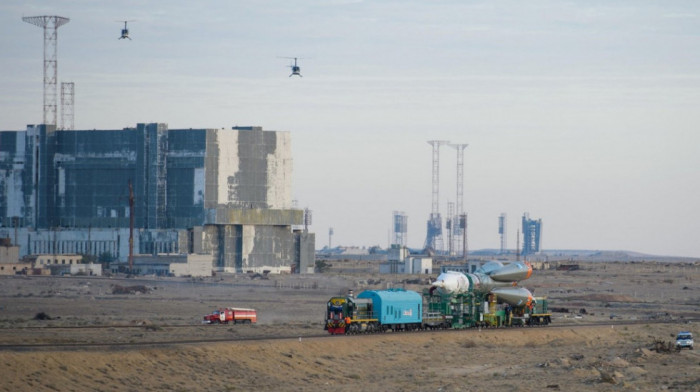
(116, 345)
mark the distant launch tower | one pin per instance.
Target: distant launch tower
(400, 228)
(433, 238)
(459, 208)
(532, 235)
(502, 230)
(50, 24)
(330, 237)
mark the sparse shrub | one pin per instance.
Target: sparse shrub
(117, 289)
(468, 344)
(42, 316)
(322, 266)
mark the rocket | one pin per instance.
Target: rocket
(492, 277)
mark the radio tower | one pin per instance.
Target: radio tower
(434, 237)
(50, 24)
(459, 209)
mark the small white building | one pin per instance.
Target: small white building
(419, 265)
(91, 269)
(401, 262)
(196, 266)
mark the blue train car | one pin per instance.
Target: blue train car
(396, 309)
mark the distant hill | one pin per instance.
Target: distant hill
(547, 255)
(605, 255)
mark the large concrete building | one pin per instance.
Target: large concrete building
(224, 192)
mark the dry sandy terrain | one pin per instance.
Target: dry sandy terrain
(571, 355)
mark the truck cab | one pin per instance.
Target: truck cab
(684, 339)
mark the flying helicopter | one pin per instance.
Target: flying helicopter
(296, 70)
(125, 30)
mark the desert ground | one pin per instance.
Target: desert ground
(611, 331)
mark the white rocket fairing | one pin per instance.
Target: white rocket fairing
(493, 277)
(452, 282)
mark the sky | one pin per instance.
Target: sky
(581, 113)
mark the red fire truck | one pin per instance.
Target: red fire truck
(235, 315)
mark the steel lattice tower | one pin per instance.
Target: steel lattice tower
(459, 208)
(67, 105)
(50, 24)
(434, 237)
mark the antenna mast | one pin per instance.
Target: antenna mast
(50, 24)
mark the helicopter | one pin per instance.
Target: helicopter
(296, 70)
(125, 30)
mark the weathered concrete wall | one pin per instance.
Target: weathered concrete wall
(256, 216)
(244, 248)
(305, 252)
(248, 169)
(220, 163)
(279, 163)
(223, 242)
(273, 247)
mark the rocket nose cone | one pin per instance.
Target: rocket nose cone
(438, 283)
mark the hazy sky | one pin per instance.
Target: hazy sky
(582, 113)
